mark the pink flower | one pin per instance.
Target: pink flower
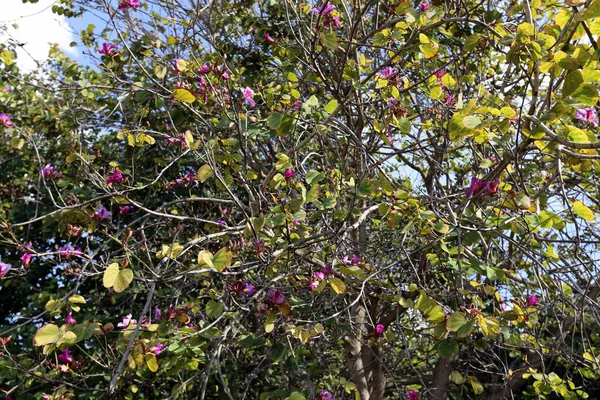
(4, 268)
(70, 320)
(355, 259)
(65, 357)
(225, 75)
(125, 4)
(346, 260)
(67, 251)
(124, 210)
(423, 6)
(289, 174)
(205, 69)
(187, 180)
(379, 329)
(102, 213)
(5, 120)
(482, 187)
(449, 100)
(297, 104)
(392, 102)
(313, 285)
(127, 321)
(324, 10)
(412, 395)
(330, 16)
(157, 349)
(157, 313)
(532, 300)
(387, 73)
(116, 177)
(325, 395)
(275, 297)
(587, 115)
(319, 276)
(268, 38)
(109, 49)
(240, 287)
(26, 259)
(50, 173)
(327, 270)
(248, 96)
(440, 73)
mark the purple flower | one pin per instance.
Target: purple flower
(387, 73)
(225, 76)
(5, 120)
(67, 251)
(248, 289)
(108, 49)
(412, 395)
(26, 259)
(330, 16)
(157, 313)
(102, 213)
(125, 4)
(423, 6)
(532, 300)
(275, 297)
(289, 174)
(157, 349)
(325, 395)
(482, 187)
(205, 69)
(449, 100)
(346, 261)
(240, 287)
(355, 259)
(313, 285)
(4, 268)
(127, 321)
(392, 102)
(175, 61)
(319, 275)
(116, 177)
(70, 320)
(124, 210)
(268, 38)
(328, 269)
(248, 96)
(324, 10)
(587, 115)
(65, 357)
(50, 173)
(187, 180)
(379, 329)
(221, 222)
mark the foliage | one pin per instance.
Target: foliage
(287, 200)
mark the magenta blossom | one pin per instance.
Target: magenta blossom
(157, 349)
(68, 251)
(355, 259)
(50, 173)
(379, 329)
(439, 74)
(125, 4)
(532, 300)
(240, 287)
(482, 187)
(587, 115)
(289, 174)
(5, 120)
(275, 297)
(325, 395)
(157, 313)
(248, 96)
(187, 180)
(4, 268)
(124, 210)
(70, 320)
(412, 395)
(127, 321)
(268, 38)
(313, 285)
(116, 177)
(102, 213)
(449, 100)
(328, 269)
(319, 275)
(423, 6)
(248, 289)
(205, 69)
(387, 73)
(225, 75)
(65, 357)
(330, 16)
(26, 259)
(109, 49)
(392, 102)
(346, 260)
(221, 222)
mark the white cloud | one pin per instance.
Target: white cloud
(38, 27)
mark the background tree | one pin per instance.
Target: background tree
(359, 199)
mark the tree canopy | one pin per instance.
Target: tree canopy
(278, 199)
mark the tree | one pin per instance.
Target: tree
(286, 200)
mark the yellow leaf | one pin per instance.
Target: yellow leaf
(338, 285)
(116, 278)
(184, 95)
(583, 211)
(77, 299)
(151, 362)
(46, 335)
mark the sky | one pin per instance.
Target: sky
(38, 26)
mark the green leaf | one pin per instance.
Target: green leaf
(222, 259)
(118, 279)
(151, 362)
(296, 396)
(274, 120)
(270, 322)
(586, 94)
(204, 173)
(475, 384)
(67, 338)
(77, 299)
(572, 82)
(456, 321)
(471, 122)
(337, 285)
(47, 334)
(583, 211)
(447, 349)
(331, 106)
(214, 309)
(313, 176)
(330, 40)
(184, 95)
(522, 201)
(593, 10)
